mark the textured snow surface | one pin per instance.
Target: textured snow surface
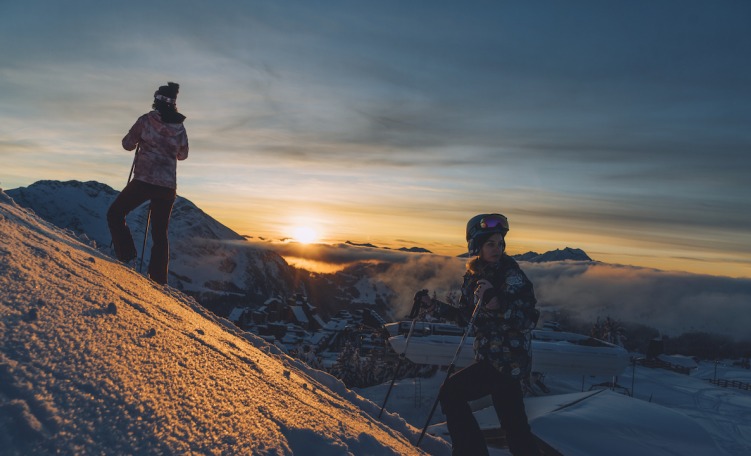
(96, 359)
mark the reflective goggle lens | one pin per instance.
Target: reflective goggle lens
(493, 222)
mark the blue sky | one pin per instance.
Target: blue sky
(617, 127)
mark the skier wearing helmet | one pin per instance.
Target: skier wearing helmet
(502, 328)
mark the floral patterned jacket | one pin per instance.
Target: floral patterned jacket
(503, 331)
(161, 145)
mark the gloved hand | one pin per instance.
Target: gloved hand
(485, 292)
(417, 302)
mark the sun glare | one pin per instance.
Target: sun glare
(304, 234)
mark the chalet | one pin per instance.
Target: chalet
(240, 316)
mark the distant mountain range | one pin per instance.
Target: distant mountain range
(566, 254)
(401, 249)
(211, 261)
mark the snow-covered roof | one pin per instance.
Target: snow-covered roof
(678, 360)
(336, 324)
(299, 314)
(236, 314)
(316, 338)
(291, 339)
(319, 321)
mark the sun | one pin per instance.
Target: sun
(304, 234)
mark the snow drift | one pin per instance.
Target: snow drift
(96, 359)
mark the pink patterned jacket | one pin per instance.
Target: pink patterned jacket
(162, 144)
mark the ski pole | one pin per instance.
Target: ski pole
(398, 365)
(133, 166)
(145, 235)
(450, 369)
(130, 176)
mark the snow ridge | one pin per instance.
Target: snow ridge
(205, 256)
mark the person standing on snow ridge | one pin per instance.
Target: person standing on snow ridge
(503, 342)
(161, 140)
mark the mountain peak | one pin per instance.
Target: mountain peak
(205, 256)
(401, 249)
(566, 254)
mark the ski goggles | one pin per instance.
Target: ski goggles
(168, 100)
(494, 221)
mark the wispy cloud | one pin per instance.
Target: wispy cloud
(339, 254)
(671, 302)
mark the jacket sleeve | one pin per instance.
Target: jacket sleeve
(467, 300)
(518, 302)
(182, 149)
(130, 141)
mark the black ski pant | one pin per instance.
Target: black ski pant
(132, 196)
(473, 382)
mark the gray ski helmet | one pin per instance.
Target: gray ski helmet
(483, 224)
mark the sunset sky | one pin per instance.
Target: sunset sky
(618, 127)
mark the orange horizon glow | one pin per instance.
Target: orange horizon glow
(318, 267)
(633, 254)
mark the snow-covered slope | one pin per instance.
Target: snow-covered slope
(204, 254)
(669, 413)
(96, 359)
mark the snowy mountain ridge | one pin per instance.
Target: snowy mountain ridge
(96, 359)
(566, 254)
(205, 256)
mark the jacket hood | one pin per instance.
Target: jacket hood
(165, 129)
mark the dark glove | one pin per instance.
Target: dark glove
(416, 303)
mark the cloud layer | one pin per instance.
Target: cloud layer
(671, 302)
